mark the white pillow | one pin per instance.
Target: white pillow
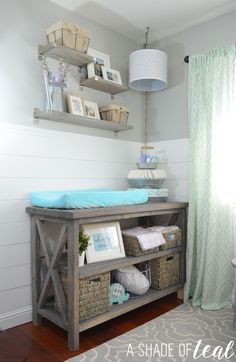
(132, 280)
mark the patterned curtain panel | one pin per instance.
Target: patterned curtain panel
(212, 142)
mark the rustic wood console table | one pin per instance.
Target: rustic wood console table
(47, 252)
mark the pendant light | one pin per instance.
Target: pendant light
(147, 68)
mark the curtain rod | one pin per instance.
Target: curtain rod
(186, 59)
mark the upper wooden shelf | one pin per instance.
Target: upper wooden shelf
(80, 120)
(101, 267)
(103, 85)
(70, 56)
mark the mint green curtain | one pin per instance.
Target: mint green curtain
(210, 234)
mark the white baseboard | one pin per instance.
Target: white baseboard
(15, 318)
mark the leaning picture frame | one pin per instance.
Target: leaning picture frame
(111, 75)
(75, 104)
(91, 109)
(100, 59)
(106, 242)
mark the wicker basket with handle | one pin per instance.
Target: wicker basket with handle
(69, 35)
(172, 235)
(93, 295)
(165, 271)
(132, 247)
(114, 113)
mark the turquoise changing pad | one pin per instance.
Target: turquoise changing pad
(80, 199)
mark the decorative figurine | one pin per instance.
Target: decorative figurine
(117, 294)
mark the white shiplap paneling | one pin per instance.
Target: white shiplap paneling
(174, 159)
(37, 159)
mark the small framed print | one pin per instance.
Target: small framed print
(105, 242)
(75, 104)
(100, 59)
(112, 75)
(91, 109)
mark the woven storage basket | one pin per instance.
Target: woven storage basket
(114, 113)
(132, 247)
(69, 35)
(172, 235)
(93, 295)
(165, 271)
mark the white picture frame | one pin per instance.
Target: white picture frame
(100, 59)
(106, 242)
(75, 104)
(91, 109)
(111, 75)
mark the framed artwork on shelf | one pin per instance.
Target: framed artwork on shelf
(105, 242)
(75, 104)
(101, 59)
(111, 75)
(91, 109)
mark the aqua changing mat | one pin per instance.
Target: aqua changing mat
(80, 199)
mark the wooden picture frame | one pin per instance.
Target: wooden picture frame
(100, 59)
(75, 104)
(111, 75)
(105, 242)
(91, 109)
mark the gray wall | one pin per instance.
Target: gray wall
(23, 26)
(168, 109)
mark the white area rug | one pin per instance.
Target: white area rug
(179, 335)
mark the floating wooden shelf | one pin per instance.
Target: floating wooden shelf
(69, 55)
(79, 120)
(103, 85)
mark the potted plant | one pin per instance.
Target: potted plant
(83, 245)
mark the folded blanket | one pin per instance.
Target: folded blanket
(148, 239)
(147, 174)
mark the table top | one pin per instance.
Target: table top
(149, 207)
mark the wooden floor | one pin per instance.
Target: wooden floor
(49, 342)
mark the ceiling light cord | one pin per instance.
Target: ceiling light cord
(146, 37)
(145, 119)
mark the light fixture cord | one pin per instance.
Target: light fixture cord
(145, 120)
(145, 96)
(146, 36)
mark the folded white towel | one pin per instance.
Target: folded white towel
(147, 174)
(148, 239)
(164, 229)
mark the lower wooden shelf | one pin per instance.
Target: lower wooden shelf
(115, 310)
(132, 303)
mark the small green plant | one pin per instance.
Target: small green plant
(83, 242)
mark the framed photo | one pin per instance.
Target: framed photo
(75, 104)
(91, 109)
(105, 242)
(101, 59)
(111, 74)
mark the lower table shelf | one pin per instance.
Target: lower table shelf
(116, 309)
(132, 303)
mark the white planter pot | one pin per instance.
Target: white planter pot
(81, 259)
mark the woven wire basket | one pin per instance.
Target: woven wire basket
(93, 295)
(165, 271)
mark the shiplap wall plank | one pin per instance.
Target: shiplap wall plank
(15, 277)
(14, 299)
(14, 255)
